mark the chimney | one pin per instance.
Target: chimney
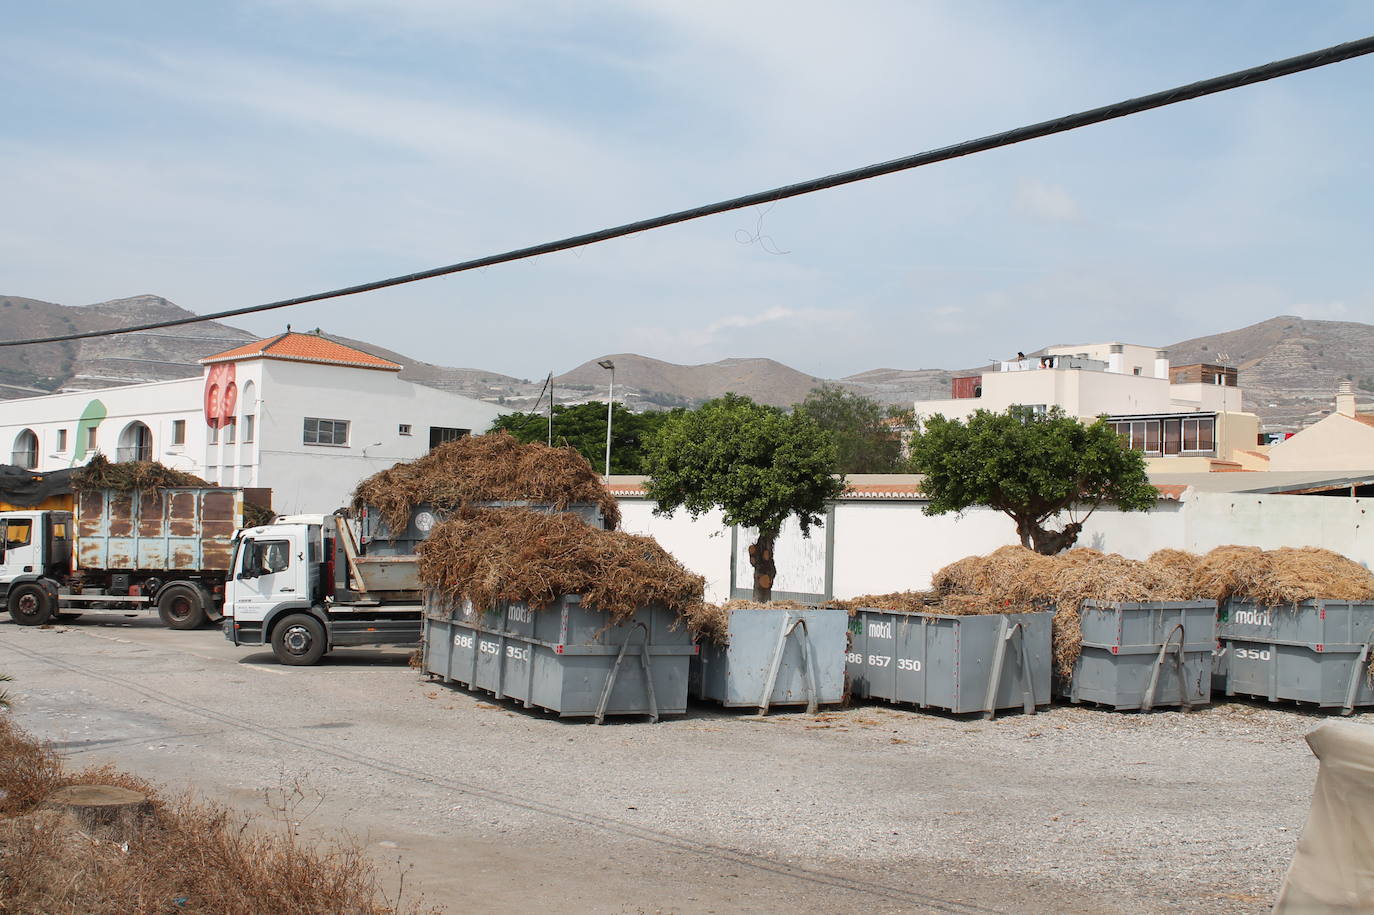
(1161, 363)
(1345, 399)
(1116, 358)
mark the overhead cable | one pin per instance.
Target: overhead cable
(1278, 68)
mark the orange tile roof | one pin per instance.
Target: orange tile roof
(1366, 418)
(304, 348)
(1169, 492)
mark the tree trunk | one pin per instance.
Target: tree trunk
(1048, 542)
(761, 558)
(116, 812)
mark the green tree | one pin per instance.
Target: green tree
(583, 426)
(757, 464)
(864, 439)
(1029, 467)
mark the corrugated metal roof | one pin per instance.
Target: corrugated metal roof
(303, 348)
(861, 487)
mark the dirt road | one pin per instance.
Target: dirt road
(496, 809)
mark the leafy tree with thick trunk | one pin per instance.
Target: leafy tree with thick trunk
(1031, 467)
(755, 463)
(866, 442)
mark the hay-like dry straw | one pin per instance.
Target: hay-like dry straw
(485, 468)
(1016, 580)
(1283, 577)
(493, 555)
(101, 473)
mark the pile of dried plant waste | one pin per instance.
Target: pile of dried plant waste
(184, 855)
(1014, 579)
(1282, 577)
(101, 473)
(485, 468)
(516, 554)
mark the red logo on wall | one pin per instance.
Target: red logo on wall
(221, 395)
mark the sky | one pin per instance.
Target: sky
(226, 154)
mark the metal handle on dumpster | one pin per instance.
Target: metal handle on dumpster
(1359, 668)
(999, 663)
(615, 671)
(787, 629)
(1148, 701)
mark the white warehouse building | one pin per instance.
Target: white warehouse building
(297, 413)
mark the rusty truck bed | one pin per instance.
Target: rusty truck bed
(171, 529)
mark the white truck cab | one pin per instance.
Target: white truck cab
(35, 555)
(296, 585)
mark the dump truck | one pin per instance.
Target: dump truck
(126, 550)
(306, 584)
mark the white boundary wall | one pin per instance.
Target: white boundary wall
(881, 546)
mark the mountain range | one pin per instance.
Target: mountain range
(1289, 366)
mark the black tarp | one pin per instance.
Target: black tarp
(26, 488)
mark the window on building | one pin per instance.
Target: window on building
(135, 443)
(325, 431)
(25, 452)
(61, 439)
(91, 438)
(404, 429)
(440, 434)
(212, 436)
(231, 429)
(1173, 436)
(250, 428)
(178, 432)
(1199, 434)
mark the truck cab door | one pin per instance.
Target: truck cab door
(22, 550)
(270, 570)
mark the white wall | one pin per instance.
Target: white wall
(893, 546)
(320, 478)
(156, 404)
(702, 545)
(1335, 442)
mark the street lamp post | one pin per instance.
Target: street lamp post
(610, 403)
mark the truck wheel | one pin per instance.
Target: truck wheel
(31, 604)
(181, 606)
(298, 640)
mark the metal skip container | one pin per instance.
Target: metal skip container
(776, 657)
(1317, 651)
(566, 658)
(974, 663)
(1143, 655)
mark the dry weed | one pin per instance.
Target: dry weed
(100, 473)
(485, 468)
(515, 554)
(187, 856)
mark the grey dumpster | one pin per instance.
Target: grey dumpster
(960, 663)
(1143, 655)
(1315, 652)
(777, 657)
(565, 658)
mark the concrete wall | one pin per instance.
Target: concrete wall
(1335, 442)
(874, 547)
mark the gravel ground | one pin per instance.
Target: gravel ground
(870, 808)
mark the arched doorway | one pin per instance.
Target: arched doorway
(25, 452)
(135, 443)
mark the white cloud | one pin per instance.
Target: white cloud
(1048, 202)
(1321, 311)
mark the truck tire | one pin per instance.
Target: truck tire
(31, 604)
(181, 606)
(299, 640)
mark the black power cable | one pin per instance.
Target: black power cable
(1287, 67)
